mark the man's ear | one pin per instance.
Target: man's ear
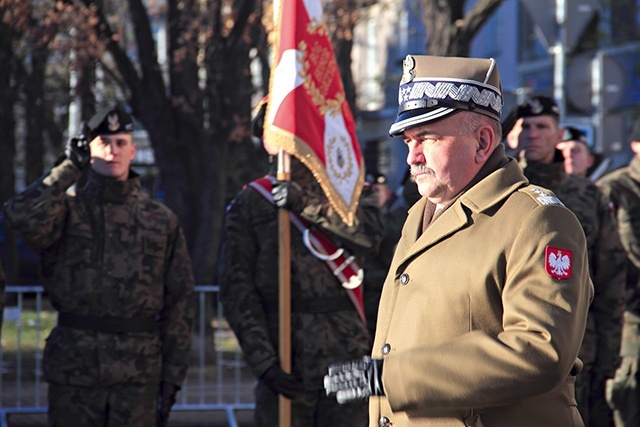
(486, 138)
(635, 147)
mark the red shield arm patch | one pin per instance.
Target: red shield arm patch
(558, 262)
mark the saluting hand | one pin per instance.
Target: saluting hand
(77, 150)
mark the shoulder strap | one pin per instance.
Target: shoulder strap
(340, 262)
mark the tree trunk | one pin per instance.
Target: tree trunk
(7, 143)
(449, 30)
(34, 114)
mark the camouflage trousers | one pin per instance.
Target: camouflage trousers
(592, 402)
(312, 409)
(131, 406)
(623, 393)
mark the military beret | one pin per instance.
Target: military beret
(434, 87)
(574, 134)
(108, 121)
(539, 105)
(635, 131)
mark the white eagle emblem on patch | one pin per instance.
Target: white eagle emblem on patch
(558, 262)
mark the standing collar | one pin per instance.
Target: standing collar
(105, 189)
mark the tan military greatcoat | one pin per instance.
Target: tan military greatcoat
(473, 327)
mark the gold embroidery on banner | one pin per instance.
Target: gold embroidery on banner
(324, 71)
(316, 27)
(340, 158)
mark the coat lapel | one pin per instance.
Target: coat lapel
(452, 220)
(457, 216)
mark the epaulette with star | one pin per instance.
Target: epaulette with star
(541, 195)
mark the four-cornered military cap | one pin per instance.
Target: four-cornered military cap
(434, 87)
(108, 121)
(539, 105)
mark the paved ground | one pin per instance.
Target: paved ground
(178, 419)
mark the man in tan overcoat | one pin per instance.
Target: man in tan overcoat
(483, 311)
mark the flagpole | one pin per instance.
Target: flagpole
(284, 287)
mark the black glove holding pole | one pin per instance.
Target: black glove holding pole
(356, 379)
(285, 194)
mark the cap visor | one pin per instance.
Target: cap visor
(418, 117)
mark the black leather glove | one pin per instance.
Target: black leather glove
(356, 379)
(282, 383)
(285, 193)
(166, 399)
(77, 150)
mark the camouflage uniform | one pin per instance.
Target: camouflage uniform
(377, 265)
(623, 188)
(248, 277)
(121, 283)
(607, 264)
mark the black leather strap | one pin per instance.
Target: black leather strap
(315, 305)
(107, 324)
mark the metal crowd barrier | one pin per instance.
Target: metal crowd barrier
(217, 379)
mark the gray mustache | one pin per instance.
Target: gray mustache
(417, 169)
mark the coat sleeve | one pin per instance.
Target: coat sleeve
(177, 317)
(38, 213)
(237, 272)
(543, 322)
(609, 278)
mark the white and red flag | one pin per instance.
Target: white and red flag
(308, 115)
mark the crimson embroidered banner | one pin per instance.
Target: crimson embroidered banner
(307, 114)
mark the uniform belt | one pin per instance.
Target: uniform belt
(315, 305)
(107, 323)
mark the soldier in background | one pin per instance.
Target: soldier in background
(325, 324)
(623, 188)
(377, 265)
(394, 208)
(578, 158)
(544, 165)
(121, 284)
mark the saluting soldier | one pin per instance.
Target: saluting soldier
(483, 310)
(121, 283)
